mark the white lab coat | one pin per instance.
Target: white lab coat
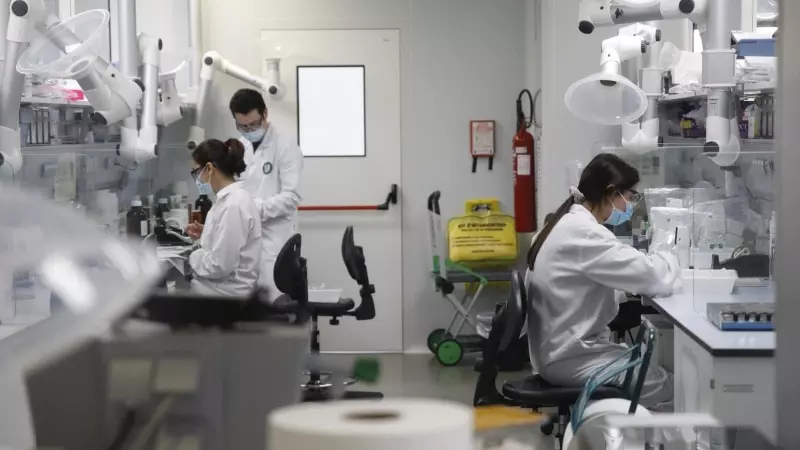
(573, 295)
(229, 258)
(272, 178)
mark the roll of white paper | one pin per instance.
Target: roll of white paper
(394, 424)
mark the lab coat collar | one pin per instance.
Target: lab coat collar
(267, 137)
(583, 211)
(228, 189)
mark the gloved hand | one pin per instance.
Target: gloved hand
(664, 247)
(194, 230)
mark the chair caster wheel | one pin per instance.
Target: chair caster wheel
(547, 428)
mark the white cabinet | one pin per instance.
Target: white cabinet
(736, 390)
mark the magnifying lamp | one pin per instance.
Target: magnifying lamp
(606, 99)
(70, 50)
(273, 52)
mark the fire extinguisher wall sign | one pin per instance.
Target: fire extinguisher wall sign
(524, 170)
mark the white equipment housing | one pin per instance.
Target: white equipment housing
(212, 63)
(114, 94)
(718, 66)
(642, 135)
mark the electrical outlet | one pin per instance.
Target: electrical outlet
(129, 380)
(176, 375)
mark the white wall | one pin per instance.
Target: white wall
(467, 62)
(462, 60)
(567, 56)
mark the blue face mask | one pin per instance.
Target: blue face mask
(618, 217)
(255, 136)
(202, 188)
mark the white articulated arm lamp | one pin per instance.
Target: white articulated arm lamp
(718, 62)
(138, 141)
(67, 49)
(642, 135)
(169, 109)
(212, 63)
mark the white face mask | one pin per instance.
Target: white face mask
(255, 136)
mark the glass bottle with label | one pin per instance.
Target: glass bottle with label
(137, 224)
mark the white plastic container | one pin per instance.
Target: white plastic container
(702, 281)
(324, 295)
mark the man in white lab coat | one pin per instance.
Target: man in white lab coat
(274, 167)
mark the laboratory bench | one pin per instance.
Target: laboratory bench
(729, 374)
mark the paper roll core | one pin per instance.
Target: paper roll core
(373, 416)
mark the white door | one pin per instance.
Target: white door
(349, 180)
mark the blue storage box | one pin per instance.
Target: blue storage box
(756, 47)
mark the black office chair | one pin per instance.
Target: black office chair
(534, 392)
(291, 278)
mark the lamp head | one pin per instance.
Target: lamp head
(606, 98)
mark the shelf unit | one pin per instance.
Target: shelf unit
(44, 101)
(747, 144)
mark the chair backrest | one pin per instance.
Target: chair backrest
(354, 261)
(508, 320)
(290, 272)
(638, 357)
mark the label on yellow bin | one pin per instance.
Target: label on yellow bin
(489, 237)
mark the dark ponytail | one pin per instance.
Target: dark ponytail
(226, 156)
(604, 176)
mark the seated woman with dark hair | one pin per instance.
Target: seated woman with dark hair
(575, 268)
(227, 261)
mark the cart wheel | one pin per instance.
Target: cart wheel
(434, 337)
(449, 352)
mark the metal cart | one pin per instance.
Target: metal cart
(448, 344)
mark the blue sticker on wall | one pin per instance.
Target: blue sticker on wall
(267, 168)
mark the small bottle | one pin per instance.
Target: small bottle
(137, 224)
(773, 244)
(203, 204)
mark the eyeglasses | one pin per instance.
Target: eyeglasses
(195, 172)
(252, 126)
(636, 197)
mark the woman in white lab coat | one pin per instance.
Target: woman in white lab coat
(228, 259)
(577, 268)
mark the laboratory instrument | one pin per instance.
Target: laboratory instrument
(718, 69)
(667, 431)
(742, 316)
(39, 45)
(171, 236)
(213, 62)
(122, 365)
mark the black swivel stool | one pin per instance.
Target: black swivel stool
(534, 392)
(291, 278)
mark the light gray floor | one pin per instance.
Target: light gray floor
(422, 376)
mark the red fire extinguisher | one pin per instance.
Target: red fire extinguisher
(524, 170)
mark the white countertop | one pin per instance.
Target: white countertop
(680, 309)
(18, 323)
